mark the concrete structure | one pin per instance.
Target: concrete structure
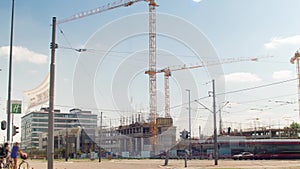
(136, 139)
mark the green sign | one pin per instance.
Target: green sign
(16, 107)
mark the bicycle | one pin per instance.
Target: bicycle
(23, 164)
(4, 164)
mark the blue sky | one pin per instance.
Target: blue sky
(235, 28)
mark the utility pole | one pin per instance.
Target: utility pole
(215, 124)
(50, 148)
(10, 71)
(220, 121)
(67, 144)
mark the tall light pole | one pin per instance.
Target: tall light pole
(100, 137)
(67, 142)
(215, 124)
(190, 125)
(10, 72)
(50, 147)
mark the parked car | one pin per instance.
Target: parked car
(243, 156)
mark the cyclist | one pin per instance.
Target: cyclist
(7, 151)
(14, 154)
(2, 156)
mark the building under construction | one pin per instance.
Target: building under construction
(138, 139)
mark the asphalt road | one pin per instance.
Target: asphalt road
(173, 164)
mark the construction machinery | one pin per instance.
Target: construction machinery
(152, 42)
(152, 50)
(167, 73)
(292, 60)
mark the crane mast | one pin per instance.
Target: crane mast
(152, 61)
(296, 58)
(167, 74)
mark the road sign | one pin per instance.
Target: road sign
(16, 107)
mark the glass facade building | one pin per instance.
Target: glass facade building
(35, 123)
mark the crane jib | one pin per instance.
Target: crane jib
(109, 6)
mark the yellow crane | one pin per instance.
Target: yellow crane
(152, 42)
(167, 73)
(152, 50)
(292, 60)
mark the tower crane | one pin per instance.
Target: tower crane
(167, 73)
(296, 58)
(152, 42)
(152, 51)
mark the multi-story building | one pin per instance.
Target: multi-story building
(35, 123)
(137, 139)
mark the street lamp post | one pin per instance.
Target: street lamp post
(190, 125)
(215, 123)
(50, 147)
(67, 143)
(100, 137)
(10, 73)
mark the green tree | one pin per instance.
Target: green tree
(295, 125)
(295, 129)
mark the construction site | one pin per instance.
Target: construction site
(156, 134)
(160, 78)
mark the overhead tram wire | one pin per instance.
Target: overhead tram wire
(99, 51)
(268, 98)
(91, 50)
(256, 87)
(75, 49)
(230, 92)
(97, 109)
(236, 91)
(66, 39)
(205, 97)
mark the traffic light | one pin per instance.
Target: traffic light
(3, 125)
(188, 134)
(15, 130)
(184, 134)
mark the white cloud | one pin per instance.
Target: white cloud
(278, 42)
(242, 77)
(22, 54)
(197, 0)
(282, 75)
